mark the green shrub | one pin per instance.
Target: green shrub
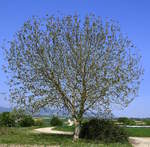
(103, 130)
(38, 122)
(147, 122)
(7, 120)
(55, 121)
(16, 118)
(26, 121)
(126, 121)
(21, 118)
(132, 122)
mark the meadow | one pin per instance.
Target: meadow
(27, 136)
(138, 132)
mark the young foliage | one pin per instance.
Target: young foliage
(80, 65)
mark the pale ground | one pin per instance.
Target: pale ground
(140, 141)
(49, 130)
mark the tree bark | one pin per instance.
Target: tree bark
(77, 129)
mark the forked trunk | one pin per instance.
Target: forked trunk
(77, 130)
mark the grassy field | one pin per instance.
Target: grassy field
(64, 128)
(133, 132)
(26, 136)
(138, 132)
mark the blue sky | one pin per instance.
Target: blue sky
(133, 16)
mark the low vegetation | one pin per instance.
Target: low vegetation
(55, 121)
(16, 119)
(26, 121)
(26, 136)
(64, 128)
(38, 122)
(103, 130)
(147, 122)
(14, 129)
(126, 121)
(138, 132)
(7, 119)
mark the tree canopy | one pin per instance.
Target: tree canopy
(68, 62)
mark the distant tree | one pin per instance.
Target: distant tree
(126, 121)
(78, 64)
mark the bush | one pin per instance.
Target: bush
(26, 121)
(38, 122)
(7, 120)
(55, 121)
(126, 121)
(147, 122)
(16, 118)
(103, 130)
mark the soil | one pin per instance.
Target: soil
(140, 141)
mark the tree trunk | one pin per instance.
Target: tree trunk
(77, 130)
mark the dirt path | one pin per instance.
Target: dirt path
(140, 141)
(50, 130)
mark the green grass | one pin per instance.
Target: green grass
(64, 128)
(138, 132)
(26, 136)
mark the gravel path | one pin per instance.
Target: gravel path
(140, 141)
(49, 130)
